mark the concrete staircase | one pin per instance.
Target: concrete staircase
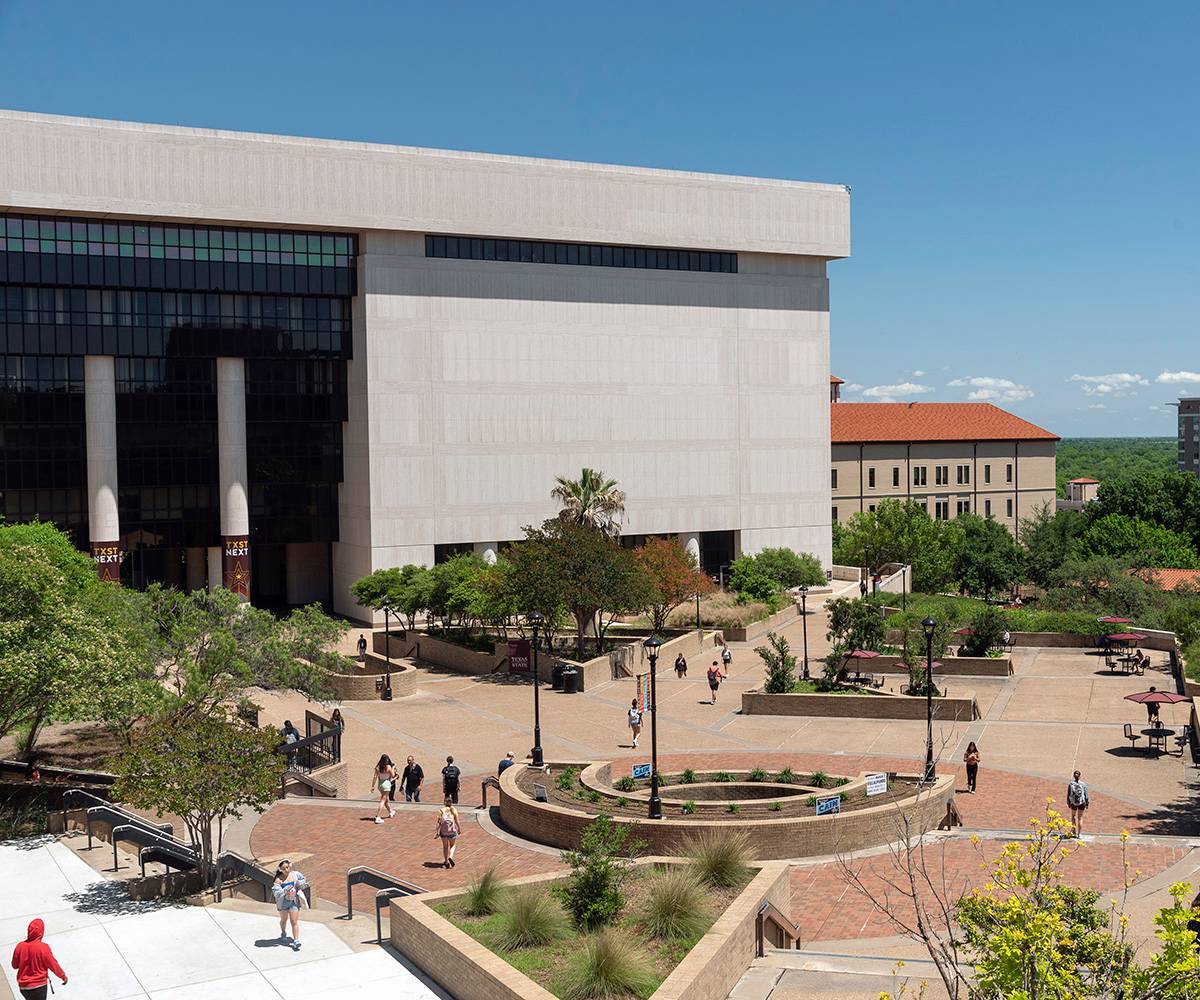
(791, 975)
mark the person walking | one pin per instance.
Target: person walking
(862, 589)
(336, 719)
(726, 659)
(448, 829)
(34, 961)
(1077, 800)
(971, 759)
(505, 764)
(450, 778)
(288, 890)
(289, 732)
(635, 721)
(384, 779)
(1152, 710)
(714, 680)
(362, 647)
(681, 666)
(412, 779)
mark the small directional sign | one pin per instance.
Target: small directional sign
(641, 770)
(829, 805)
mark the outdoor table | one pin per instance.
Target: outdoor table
(1157, 736)
(1127, 663)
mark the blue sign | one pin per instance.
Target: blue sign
(641, 770)
(829, 805)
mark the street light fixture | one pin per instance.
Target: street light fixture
(386, 604)
(804, 617)
(535, 620)
(652, 644)
(928, 626)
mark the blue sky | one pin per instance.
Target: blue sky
(1026, 203)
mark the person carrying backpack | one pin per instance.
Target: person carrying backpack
(635, 721)
(34, 961)
(450, 778)
(448, 829)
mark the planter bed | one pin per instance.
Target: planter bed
(434, 931)
(879, 705)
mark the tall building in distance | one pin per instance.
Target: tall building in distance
(282, 363)
(952, 458)
(1189, 435)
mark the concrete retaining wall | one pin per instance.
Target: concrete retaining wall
(788, 837)
(465, 968)
(961, 708)
(360, 686)
(950, 666)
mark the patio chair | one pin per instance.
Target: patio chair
(1184, 739)
(1129, 735)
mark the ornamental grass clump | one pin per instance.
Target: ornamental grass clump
(688, 777)
(613, 964)
(787, 777)
(676, 906)
(485, 893)
(720, 858)
(529, 918)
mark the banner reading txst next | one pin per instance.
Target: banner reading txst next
(235, 565)
(643, 692)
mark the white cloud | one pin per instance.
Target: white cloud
(890, 393)
(1097, 406)
(851, 387)
(1170, 378)
(1113, 384)
(987, 387)
(918, 374)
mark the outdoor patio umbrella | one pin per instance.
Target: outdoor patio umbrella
(964, 631)
(1114, 620)
(1156, 698)
(1125, 637)
(861, 654)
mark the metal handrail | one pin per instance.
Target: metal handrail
(769, 912)
(316, 784)
(135, 833)
(168, 855)
(116, 816)
(310, 747)
(235, 864)
(389, 887)
(75, 797)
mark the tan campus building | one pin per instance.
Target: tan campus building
(952, 458)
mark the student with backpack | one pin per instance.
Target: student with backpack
(714, 679)
(635, 721)
(450, 778)
(448, 829)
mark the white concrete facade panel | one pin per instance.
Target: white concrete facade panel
(100, 412)
(231, 444)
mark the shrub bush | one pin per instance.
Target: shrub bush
(787, 777)
(612, 964)
(592, 892)
(528, 918)
(676, 906)
(721, 857)
(485, 893)
(721, 610)
(776, 807)
(780, 663)
(818, 779)
(566, 780)
(622, 801)
(733, 807)
(790, 569)
(594, 796)
(688, 777)
(689, 807)
(1191, 661)
(625, 784)
(758, 774)
(722, 776)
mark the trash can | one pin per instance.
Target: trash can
(556, 676)
(570, 680)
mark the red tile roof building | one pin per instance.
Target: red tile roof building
(952, 458)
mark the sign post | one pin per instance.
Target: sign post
(830, 805)
(640, 771)
(877, 784)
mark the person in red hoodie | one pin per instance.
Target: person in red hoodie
(34, 961)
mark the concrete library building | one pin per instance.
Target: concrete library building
(280, 363)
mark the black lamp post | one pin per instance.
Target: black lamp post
(652, 645)
(804, 617)
(697, 611)
(928, 626)
(536, 620)
(386, 604)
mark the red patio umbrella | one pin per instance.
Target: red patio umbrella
(861, 654)
(1114, 620)
(1156, 698)
(1125, 637)
(964, 631)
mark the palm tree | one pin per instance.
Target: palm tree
(592, 500)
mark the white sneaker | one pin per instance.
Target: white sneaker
(378, 819)
(391, 812)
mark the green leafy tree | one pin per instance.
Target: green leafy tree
(592, 500)
(1138, 541)
(576, 567)
(1170, 500)
(790, 569)
(854, 624)
(989, 560)
(1108, 459)
(406, 587)
(63, 652)
(592, 892)
(672, 576)
(204, 769)
(780, 663)
(1049, 538)
(988, 626)
(752, 583)
(901, 531)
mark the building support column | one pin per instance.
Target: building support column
(690, 540)
(213, 556)
(100, 413)
(235, 507)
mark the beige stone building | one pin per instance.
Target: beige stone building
(952, 458)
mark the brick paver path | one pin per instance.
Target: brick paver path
(336, 838)
(828, 908)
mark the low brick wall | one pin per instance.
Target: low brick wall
(961, 708)
(360, 686)
(788, 837)
(418, 645)
(760, 628)
(950, 666)
(465, 968)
